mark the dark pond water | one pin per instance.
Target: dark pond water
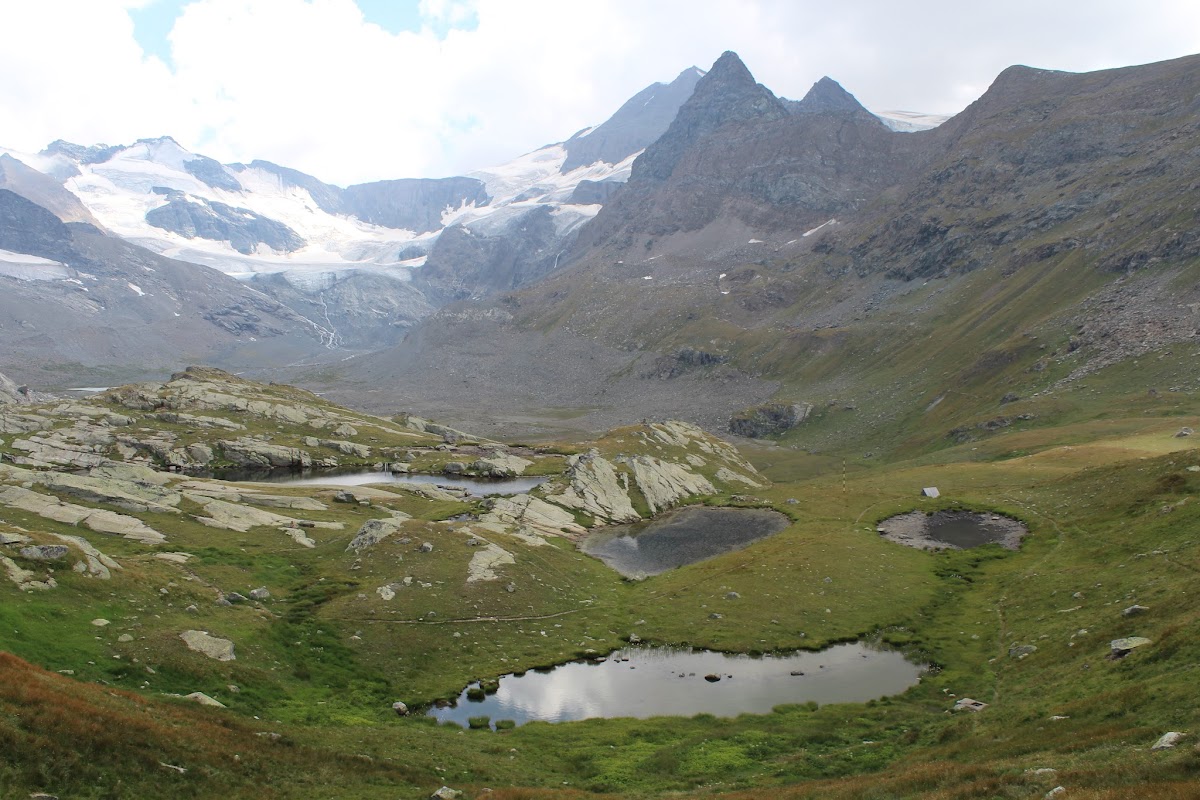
(680, 537)
(954, 529)
(661, 681)
(965, 530)
(481, 486)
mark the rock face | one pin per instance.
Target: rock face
(639, 122)
(500, 465)
(664, 483)
(208, 219)
(769, 419)
(211, 646)
(138, 308)
(99, 520)
(253, 453)
(414, 204)
(826, 97)
(504, 252)
(530, 518)
(354, 308)
(43, 190)
(595, 490)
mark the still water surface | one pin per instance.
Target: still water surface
(480, 486)
(680, 537)
(664, 681)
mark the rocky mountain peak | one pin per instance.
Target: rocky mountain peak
(726, 94)
(81, 153)
(637, 123)
(827, 96)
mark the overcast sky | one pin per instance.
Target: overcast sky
(356, 90)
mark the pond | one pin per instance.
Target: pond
(480, 486)
(664, 681)
(680, 537)
(954, 530)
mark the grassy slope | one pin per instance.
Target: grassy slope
(1093, 492)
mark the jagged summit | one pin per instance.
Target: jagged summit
(637, 123)
(827, 96)
(727, 93)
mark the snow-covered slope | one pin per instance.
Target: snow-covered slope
(262, 219)
(910, 121)
(123, 188)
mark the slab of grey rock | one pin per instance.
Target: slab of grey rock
(211, 646)
(1122, 647)
(374, 531)
(45, 552)
(1168, 740)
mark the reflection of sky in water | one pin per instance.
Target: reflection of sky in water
(649, 684)
(505, 486)
(680, 537)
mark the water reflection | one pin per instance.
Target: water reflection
(647, 682)
(681, 537)
(480, 486)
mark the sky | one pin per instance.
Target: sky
(359, 90)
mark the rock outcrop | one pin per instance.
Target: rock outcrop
(374, 531)
(530, 518)
(664, 484)
(596, 490)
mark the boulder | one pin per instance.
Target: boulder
(967, 704)
(204, 700)
(260, 594)
(374, 531)
(45, 552)
(1168, 740)
(1123, 647)
(400, 708)
(446, 793)
(1134, 610)
(211, 646)
(500, 465)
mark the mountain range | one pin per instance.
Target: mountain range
(709, 248)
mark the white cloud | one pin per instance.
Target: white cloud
(312, 85)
